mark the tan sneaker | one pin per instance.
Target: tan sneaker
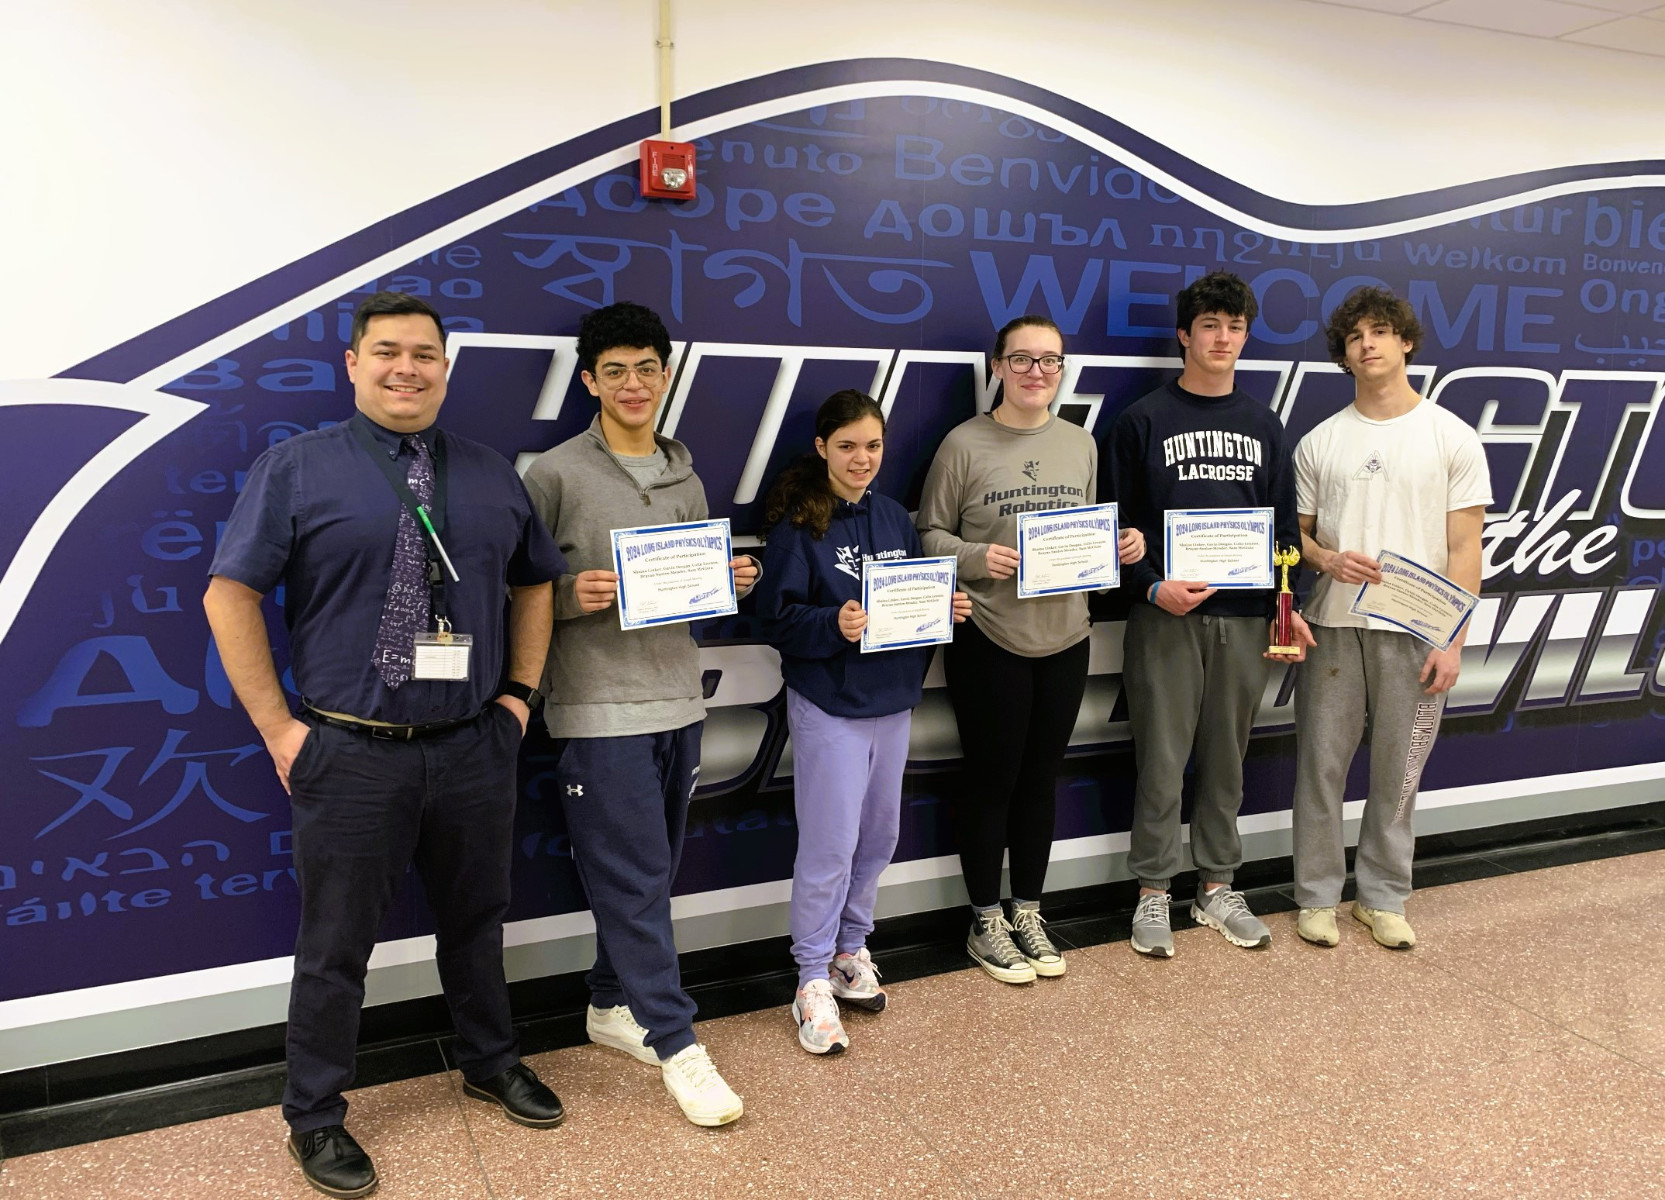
(1389, 929)
(705, 1099)
(1317, 925)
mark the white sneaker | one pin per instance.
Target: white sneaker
(617, 1027)
(855, 978)
(816, 1014)
(691, 1078)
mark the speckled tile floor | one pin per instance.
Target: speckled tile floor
(1519, 1051)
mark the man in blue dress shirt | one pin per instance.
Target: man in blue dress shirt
(396, 545)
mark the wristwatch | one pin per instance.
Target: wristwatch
(529, 696)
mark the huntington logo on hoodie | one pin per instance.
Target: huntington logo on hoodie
(849, 559)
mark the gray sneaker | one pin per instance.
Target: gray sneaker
(990, 945)
(1032, 942)
(1227, 911)
(1151, 932)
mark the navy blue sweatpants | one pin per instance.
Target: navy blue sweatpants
(626, 803)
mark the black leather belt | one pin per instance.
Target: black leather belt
(389, 733)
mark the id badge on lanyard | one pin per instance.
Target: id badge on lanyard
(442, 654)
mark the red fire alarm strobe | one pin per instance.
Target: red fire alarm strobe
(668, 170)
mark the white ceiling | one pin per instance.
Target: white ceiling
(1636, 26)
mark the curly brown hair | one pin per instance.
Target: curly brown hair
(1217, 292)
(1372, 304)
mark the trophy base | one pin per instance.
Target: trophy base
(1292, 651)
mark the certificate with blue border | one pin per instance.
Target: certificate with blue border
(1222, 547)
(670, 573)
(1068, 550)
(1417, 600)
(908, 601)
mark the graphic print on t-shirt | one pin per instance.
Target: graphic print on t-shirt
(1241, 453)
(1373, 467)
(1037, 495)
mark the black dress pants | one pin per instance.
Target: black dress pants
(366, 809)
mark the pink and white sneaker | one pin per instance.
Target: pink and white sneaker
(855, 978)
(816, 1012)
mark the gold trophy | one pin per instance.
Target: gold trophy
(1283, 633)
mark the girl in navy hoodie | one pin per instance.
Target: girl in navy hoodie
(849, 712)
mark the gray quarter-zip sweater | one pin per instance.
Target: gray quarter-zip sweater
(600, 680)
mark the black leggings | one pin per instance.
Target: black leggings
(1015, 716)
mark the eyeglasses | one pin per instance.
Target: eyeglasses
(614, 375)
(1051, 364)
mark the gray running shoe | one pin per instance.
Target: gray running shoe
(1032, 942)
(990, 946)
(1227, 911)
(1151, 932)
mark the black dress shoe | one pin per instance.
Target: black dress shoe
(522, 1097)
(333, 1162)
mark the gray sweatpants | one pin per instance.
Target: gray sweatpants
(1193, 686)
(1356, 681)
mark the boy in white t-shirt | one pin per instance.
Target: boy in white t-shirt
(1393, 471)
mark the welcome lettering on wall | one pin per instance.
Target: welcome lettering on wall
(874, 241)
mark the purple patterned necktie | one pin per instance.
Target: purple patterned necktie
(405, 612)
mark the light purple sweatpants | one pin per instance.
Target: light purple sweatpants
(848, 784)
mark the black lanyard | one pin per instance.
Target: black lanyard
(423, 515)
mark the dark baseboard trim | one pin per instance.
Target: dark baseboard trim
(67, 1104)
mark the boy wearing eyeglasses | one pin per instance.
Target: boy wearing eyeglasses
(626, 707)
(1195, 656)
